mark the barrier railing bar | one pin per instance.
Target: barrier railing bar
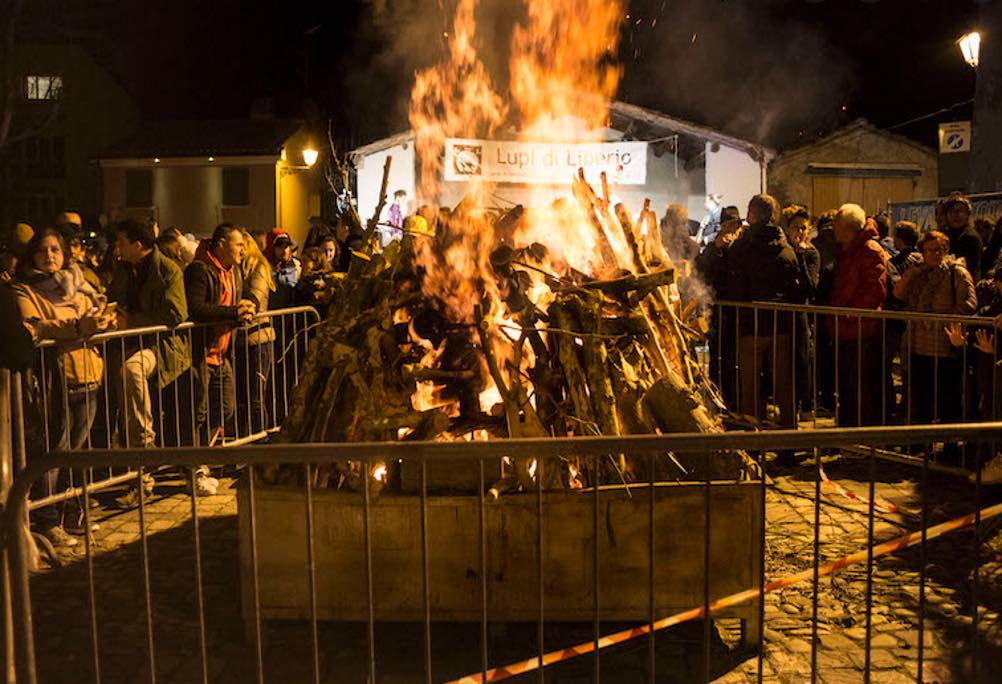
(91, 592)
(482, 515)
(539, 566)
(425, 579)
(596, 621)
(838, 311)
(869, 567)
(147, 592)
(370, 623)
(311, 570)
(264, 454)
(199, 590)
(651, 555)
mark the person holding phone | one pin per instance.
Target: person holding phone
(56, 303)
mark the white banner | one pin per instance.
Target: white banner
(503, 161)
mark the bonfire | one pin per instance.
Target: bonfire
(558, 318)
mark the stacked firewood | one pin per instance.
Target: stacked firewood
(546, 352)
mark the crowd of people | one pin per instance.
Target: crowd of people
(66, 288)
(854, 363)
(864, 369)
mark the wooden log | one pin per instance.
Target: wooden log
(574, 376)
(674, 407)
(623, 286)
(584, 195)
(630, 384)
(419, 373)
(603, 400)
(384, 186)
(623, 214)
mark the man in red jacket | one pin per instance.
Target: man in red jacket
(860, 282)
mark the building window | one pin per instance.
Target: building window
(236, 186)
(139, 188)
(43, 87)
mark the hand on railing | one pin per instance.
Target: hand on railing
(984, 342)
(955, 334)
(94, 321)
(246, 310)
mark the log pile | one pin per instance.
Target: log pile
(519, 344)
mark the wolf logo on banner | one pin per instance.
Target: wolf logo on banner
(467, 160)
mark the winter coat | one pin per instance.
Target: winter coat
(810, 266)
(52, 305)
(763, 267)
(156, 288)
(905, 259)
(18, 351)
(859, 281)
(944, 289)
(286, 279)
(256, 289)
(827, 247)
(204, 288)
(966, 244)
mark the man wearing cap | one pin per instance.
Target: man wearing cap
(965, 242)
(285, 268)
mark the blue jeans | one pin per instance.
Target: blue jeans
(71, 415)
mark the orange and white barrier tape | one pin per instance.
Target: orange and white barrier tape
(896, 544)
(878, 504)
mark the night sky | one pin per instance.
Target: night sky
(776, 71)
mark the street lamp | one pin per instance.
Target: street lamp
(310, 156)
(970, 46)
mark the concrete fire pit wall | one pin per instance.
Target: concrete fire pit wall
(511, 533)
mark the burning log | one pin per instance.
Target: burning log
(517, 345)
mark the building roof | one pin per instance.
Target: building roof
(622, 115)
(380, 145)
(858, 126)
(201, 138)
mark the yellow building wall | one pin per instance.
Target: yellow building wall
(298, 188)
(190, 197)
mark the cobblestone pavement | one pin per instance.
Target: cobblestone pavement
(64, 634)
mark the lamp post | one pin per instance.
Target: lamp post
(970, 47)
(310, 156)
(986, 163)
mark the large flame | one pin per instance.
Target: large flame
(562, 76)
(562, 73)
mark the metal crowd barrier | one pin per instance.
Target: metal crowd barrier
(268, 370)
(320, 653)
(874, 379)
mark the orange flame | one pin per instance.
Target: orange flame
(453, 99)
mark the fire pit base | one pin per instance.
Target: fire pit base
(511, 538)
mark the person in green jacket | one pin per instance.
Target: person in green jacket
(149, 290)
